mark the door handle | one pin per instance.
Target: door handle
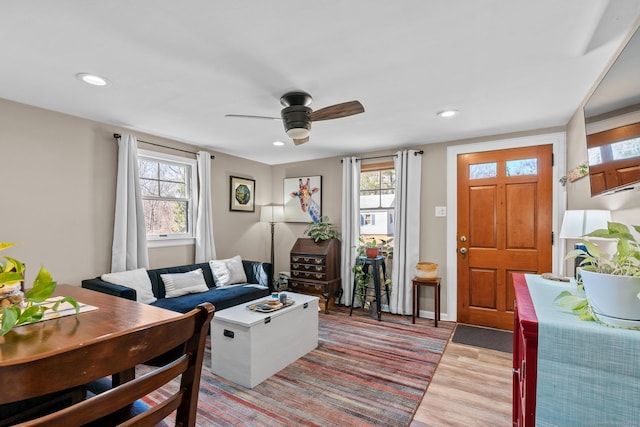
(463, 251)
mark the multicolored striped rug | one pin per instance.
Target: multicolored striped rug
(363, 373)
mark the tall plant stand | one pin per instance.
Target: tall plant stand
(378, 265)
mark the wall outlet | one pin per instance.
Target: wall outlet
(441, 211)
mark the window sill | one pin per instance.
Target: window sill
(163, 243)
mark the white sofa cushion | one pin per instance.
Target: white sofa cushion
(135, 279)
(178, 284)
(228, 271)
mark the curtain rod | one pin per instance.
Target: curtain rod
(385, 157)
(117, 135)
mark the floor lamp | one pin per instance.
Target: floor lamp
(577, 223)
(272, 214)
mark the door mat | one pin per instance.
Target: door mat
(478, 336)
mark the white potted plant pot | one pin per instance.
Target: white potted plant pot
(614, 299)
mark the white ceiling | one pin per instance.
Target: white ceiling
(177, 67)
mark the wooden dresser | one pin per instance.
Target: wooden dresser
(315, 269)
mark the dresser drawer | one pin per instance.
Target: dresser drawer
(308, 275)
(314, 268)
(308, 259)
(307, 287)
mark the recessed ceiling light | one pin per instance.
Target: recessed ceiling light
(447, 113)
(92, 79)
(278, 143)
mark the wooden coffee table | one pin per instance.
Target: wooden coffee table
(247, 347)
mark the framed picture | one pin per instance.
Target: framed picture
(303, 199)
(243, 194)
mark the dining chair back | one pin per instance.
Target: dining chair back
(183, 337)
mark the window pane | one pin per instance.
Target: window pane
(370, 201)
(522, 167)
(376, 223)
(147, 169)
(149, 187)
(170, 172)
(369, 180)
(388, 178)
(165, 217)
(388, 198)
(483, 170)
(172, 189)
(595, 156)
(625, 149)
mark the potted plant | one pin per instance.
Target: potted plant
(322, 230)
(611, 282)
(17, 309)
(370, 248)
(362, 280)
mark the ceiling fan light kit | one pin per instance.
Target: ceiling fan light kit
(297, 116)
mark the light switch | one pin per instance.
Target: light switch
(441, 211)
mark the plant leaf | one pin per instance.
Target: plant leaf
(14, 265)
(30, 314)
(43, 287)
(70, 300)
(10, 278)
(9, 318)
(5, 245)
(567, 300)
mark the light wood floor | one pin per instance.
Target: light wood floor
(471, 387)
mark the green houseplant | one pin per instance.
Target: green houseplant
(322, 230)
(362, 278)
(611, 282)
(31, 310)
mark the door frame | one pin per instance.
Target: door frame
(559, 202)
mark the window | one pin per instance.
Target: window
(377, 201)
(168, 196)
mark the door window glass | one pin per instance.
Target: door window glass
(483, 170)
(522, 167)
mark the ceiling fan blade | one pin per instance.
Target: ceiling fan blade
(245, 116)
(301, 140)
(337, 111)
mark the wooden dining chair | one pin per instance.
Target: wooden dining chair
(122, 353)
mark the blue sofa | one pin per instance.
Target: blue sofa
(259, 284)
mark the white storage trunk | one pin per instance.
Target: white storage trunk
(248, 347)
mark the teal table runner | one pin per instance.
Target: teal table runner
(588, 373)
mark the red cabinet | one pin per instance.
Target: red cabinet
(525, 355)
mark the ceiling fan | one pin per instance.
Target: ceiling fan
(297, 116)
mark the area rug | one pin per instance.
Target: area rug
(364, 372)
(493, 339)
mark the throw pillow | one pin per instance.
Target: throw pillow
(177, 284)
(135, 279)
(228, 271)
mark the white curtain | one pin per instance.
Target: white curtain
(350, 222)
(406, 247)
(205, 248)
(129, 250)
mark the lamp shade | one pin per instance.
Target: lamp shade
(577, 223)
(272, 213)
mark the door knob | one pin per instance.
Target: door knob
(463, 250)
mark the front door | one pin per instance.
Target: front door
(504, 227)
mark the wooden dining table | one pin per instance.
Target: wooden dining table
(24, 350)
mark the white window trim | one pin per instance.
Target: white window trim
(181, 239)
